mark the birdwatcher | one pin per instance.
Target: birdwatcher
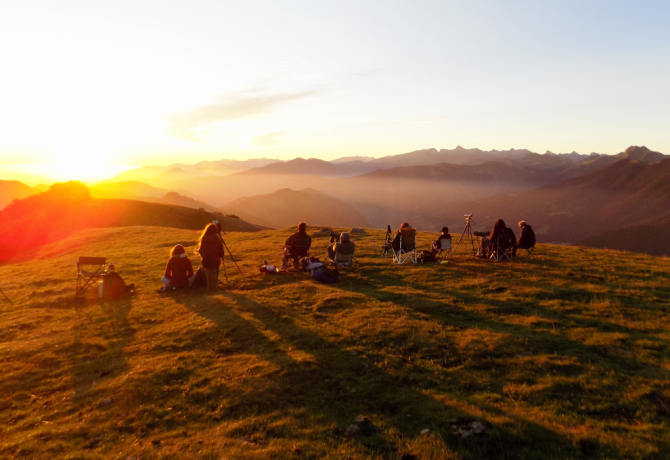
(443, 236)
(527, 238)
(344, 247)
(210, 249)
(296, 246)
(178, 271)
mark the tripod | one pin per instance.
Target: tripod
(387, 243)
(5, 296)
(223, 259)
(467, 230)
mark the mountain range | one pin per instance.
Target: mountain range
(566, 197)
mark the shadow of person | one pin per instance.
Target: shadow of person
(101, 333)
(329, 386)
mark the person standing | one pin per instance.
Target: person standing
(210, 248)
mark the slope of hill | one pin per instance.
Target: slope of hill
(11, 190)
(623, 194)
(560, 357)
(65, 208)
(286, 207)
(491, 171)
(647, 238)
(314, 167)
(126, 189)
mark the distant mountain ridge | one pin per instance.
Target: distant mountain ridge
(287, 207)
(11, 190)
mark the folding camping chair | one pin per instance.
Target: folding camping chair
(503, 248)
(87, 273)
(342, 260)
(444, 249)
(407, 249)
(296, 252)
(529, 251)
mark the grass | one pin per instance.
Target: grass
(562, 356)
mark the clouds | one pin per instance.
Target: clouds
(267, 140)
(236, 106)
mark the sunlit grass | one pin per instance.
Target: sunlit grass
(563, 356)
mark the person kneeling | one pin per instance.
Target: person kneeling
(178, 271)
(344, 247)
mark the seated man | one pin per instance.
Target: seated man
(527, 238)
(343, 247)
(405, 229)
(296, 246)
(443, 236)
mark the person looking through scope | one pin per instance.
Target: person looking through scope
(210, 248)
(344, 246)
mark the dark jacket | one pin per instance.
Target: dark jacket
(408, 234)
(178, 270)
(507, 238)
(299, 243)
(211, 251)
(527, 238)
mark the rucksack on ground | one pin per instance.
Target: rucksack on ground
(326, 275)
(200, 278)
(114, 288)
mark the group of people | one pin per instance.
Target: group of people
(179, 270)
(503, 238)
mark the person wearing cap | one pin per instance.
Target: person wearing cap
(345, 246)
(296, 246)
(443, 236)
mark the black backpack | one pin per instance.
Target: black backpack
(326, 275)
(200, 278)
(114, 288)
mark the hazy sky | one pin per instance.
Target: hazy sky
(88, 86)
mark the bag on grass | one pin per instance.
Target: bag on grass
(307, 263)
(200, 278)
(326, 275)
(114, 288)
(427, 256)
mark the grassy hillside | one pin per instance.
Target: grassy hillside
(68, 207)
(563, 356)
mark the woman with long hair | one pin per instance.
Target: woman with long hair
(178, 271)
(210, 248)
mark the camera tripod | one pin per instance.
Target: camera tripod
(5, 296)
(225, 246)
(387, 243)
(467, 230)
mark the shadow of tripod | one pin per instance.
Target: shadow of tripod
(5, 296)
(467, 230)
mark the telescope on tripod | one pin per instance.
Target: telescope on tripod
(225, 246)
(467, 230)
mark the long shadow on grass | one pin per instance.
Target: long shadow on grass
(325, 390)
(541, 341)
(100, 336)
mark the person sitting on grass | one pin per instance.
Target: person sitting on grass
(344, 247)
(296, 247)
(443, 236)
(210, 248)
(178, 271)
(526, 239)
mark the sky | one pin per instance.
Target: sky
(89, 88)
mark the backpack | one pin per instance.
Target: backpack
(200, 278)
(326, 275)
(427, 256)
(114, 288)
